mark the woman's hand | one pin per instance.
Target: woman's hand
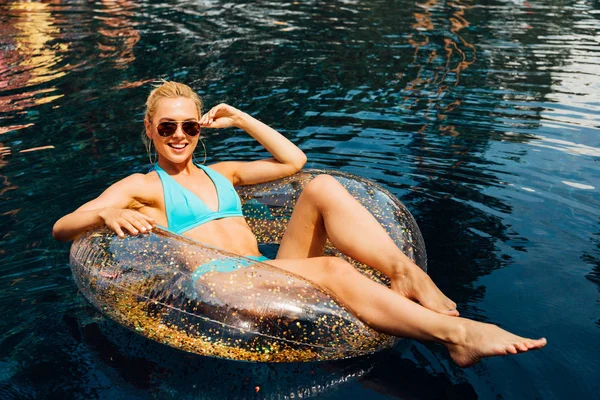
(221, 116)
(133, 221)
(288, 158)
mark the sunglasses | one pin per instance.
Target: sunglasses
(168, 128)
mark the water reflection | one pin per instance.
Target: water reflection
(43, 50)
(480, 116)
(438, 67)
(397, 376)
(99, 347)
(448, 190)
(36, 28)
(7, 215)
(593, 258)
(119, 35)
(30, 57)
(148, 365)
(454, 171)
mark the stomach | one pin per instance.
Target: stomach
(231, 234)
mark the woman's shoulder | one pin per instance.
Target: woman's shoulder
(140, 178)
(141, 188)
(138, 182)
(225, 168)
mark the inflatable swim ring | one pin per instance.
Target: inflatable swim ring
(255, 312)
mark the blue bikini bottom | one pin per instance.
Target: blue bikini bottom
(226, 265)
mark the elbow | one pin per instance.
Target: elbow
(300, 162)
(59, 234)
(304, 160)
(56, 234)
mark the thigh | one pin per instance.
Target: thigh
(325, 272)
(235, 284)
(305, 235)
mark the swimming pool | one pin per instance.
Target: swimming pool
(481, 117)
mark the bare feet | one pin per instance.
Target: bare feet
(416, 285)
(477, 340)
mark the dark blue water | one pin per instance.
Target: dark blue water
(480, 116)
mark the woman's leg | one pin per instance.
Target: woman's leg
(324, 210)
(389, 312)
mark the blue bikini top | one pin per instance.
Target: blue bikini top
(185, 210)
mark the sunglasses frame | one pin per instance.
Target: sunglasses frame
(178, 123)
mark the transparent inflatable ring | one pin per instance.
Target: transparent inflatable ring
(246, 310)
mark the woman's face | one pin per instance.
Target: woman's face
(179, 146)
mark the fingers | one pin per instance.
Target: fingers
(208, 118)
(130, 227)
(131, 221)
(146, 221)
(219, 107)
(204, 120)
(138, 222)
(218, 117)
(117, 229)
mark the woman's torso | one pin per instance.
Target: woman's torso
(229, 233)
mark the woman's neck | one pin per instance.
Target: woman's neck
(183, 168)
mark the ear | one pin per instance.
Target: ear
(148, 129)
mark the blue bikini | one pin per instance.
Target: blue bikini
(225, 265)
(186, 211)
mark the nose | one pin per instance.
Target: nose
(179, 132)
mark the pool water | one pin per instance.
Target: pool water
(482, 117)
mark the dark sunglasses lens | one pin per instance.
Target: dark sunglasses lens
(192, 128)
(166, 128)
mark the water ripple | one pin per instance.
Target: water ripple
(481, 116)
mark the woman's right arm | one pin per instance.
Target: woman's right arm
(111, 208)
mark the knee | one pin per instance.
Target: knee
(321, 185)
(335, 266)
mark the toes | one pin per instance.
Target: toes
(441, 309)
(511, 349)
(450, 305)
(534, 344)
(521, 347)
(528, 344)
(453, 313)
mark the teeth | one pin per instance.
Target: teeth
(177, 146)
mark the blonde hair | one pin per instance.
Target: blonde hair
(169, 90)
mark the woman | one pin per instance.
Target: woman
(413, 308)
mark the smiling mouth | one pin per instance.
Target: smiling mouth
(177, 146)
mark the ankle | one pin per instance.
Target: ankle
(453, 333)
(402, 268)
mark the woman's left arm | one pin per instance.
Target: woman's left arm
(287, 157)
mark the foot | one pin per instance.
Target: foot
(477, 340)
(413, 283)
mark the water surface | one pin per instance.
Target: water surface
(480, 116)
